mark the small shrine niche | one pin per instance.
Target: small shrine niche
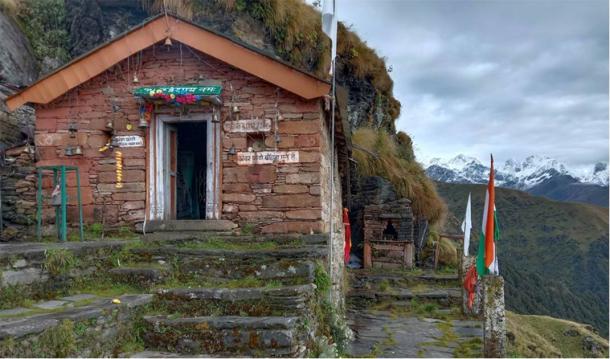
(388, 235)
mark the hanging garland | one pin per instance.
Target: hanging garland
(177, 95)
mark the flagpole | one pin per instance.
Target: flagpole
(332, 178)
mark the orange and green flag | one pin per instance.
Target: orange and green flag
(487, 262)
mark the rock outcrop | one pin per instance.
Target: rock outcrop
(17, 62)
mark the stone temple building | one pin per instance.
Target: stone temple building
(173, 121)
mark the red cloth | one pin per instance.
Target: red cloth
(348, 235)
(470, 281)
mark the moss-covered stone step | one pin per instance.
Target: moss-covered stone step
(236, 301)
(283, 270)
(216, 225)
(233, 254)
(96, 329)
(364, 279)
(445, 297)
(280, 239)
(158, 354)
(254, 336)
(140, 276)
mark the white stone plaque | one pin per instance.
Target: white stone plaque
(267, 157)
(128, 141)
(253, 125)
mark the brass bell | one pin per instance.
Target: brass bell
(109, 124)
(69, 151)
(142, 123)
(135, 79)
(168, 42)
(78, 150)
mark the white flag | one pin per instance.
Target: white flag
(467, 226)
(329, 27)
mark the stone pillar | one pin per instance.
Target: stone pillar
(494, 336)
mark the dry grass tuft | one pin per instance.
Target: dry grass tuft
(183, 8)
(9, 7)
(294, 29)
(395, 162)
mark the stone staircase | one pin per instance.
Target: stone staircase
(395, 313)
(427, 287)
(208, 291)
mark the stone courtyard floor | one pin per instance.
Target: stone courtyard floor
(409, 314)
(383, 334)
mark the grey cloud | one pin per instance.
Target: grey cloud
(510, 77)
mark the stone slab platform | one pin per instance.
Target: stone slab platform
(17, 327)
(30, 250)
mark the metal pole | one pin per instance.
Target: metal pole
(39, 205)
(80, 206)
(332, 180)
(1, 214)
(64, 200)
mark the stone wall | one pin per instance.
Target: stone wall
(18, 186)
(337, 238)
(366, 191)
(277, 198)
(378, 216)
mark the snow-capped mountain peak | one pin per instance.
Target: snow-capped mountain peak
(597, 175)
(461, 162)
(523, 175)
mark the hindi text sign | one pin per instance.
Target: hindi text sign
(267, 157)
(128, 141)
(253, 125)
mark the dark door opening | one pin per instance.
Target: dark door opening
(191, 170)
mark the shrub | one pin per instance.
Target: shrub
(59, 261)
(43, 22)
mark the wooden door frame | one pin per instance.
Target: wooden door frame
(157, 197)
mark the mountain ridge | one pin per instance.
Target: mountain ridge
(540, 176)
(515, 174)
(552, 254)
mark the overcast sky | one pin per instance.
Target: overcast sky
(514, 78)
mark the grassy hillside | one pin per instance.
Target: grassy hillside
(553, 255)
(542, 336)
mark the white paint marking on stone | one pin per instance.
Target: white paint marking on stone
(14, 311)
(51, 304)
(20, 263)
(78, 297)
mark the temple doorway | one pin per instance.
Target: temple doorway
(184, 167)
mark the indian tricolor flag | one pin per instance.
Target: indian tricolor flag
(487, 262)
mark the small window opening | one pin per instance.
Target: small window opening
(256, 142)
(390, 233)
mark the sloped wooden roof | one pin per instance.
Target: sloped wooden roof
(154, 30)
